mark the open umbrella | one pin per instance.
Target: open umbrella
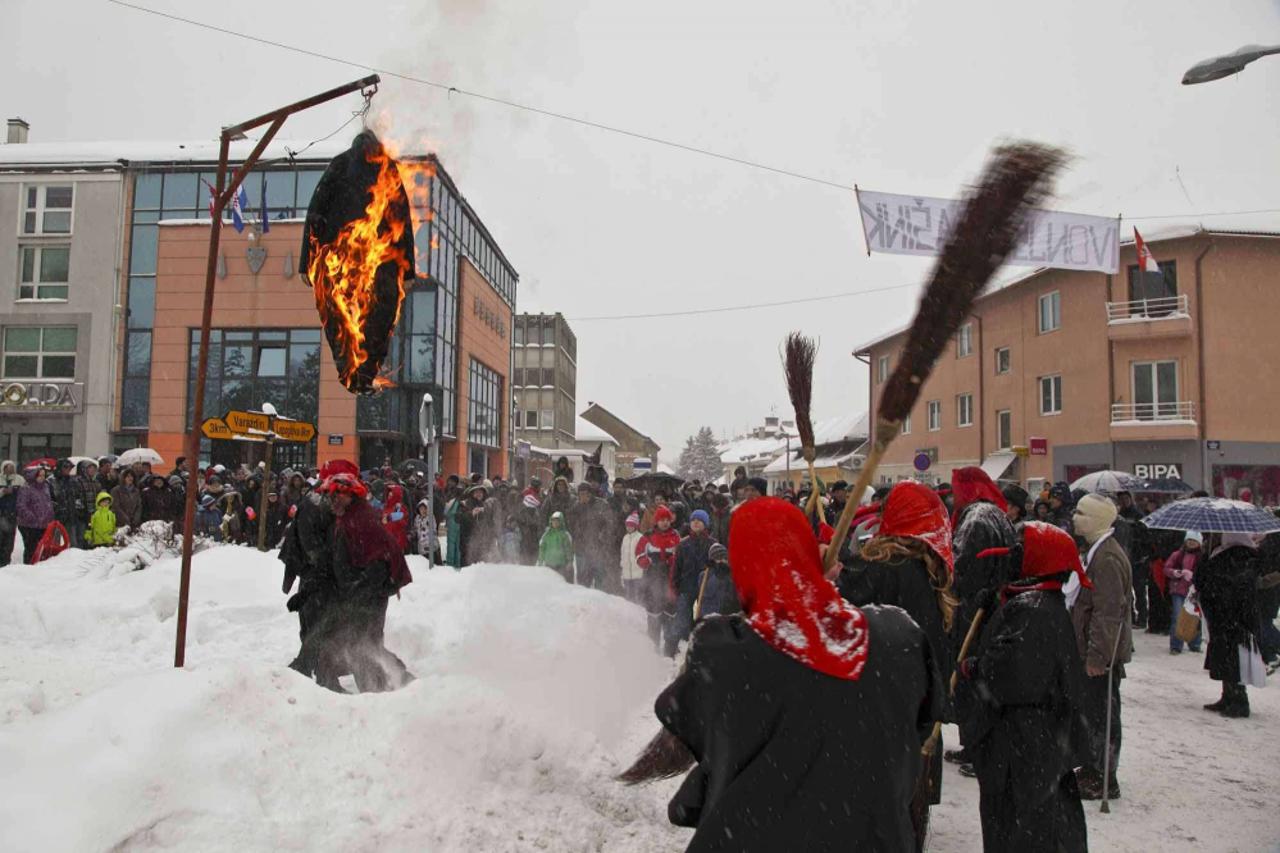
(139, 454)
(43, 462)
(76, 460)
(654, 481)
(1213, 515)
(413, 466)
(1107, 482)
(1166, 486)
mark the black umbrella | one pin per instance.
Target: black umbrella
(413, 466)
(654, 481)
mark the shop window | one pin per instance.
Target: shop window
(483, 408)
(45, 272)
(46, 209)
(39, 352)
(254, 366)
(33, 446)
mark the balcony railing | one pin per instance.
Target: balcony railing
(1148, 309)
(1183, 411)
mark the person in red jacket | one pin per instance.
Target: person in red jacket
(395, 517)
(656, 555)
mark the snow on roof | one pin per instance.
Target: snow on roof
(749, 447)
(1258, 224)
(584, 430)
(849, 427)
(109, 153)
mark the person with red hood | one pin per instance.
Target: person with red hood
(656, 555)
(395, 516)
(980, 526)
(1021, 695)
(368, 568)
(908, 564)
(804, 714)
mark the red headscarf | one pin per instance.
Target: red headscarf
(914, 511)
(970, 485)
(1046, 551)
(339, 466)
(778, 573)
(368, 541)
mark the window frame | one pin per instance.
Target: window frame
(964, 340)
(41, 208)
(933, 416)
(40, 353)
(906, 425)
(961, 422)
(37, 264)
(1007, 443)
(1056, 296)
(1155, 404)
(1054, 379)
(882, 369)
(1008, 359)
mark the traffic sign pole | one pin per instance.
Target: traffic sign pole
(262, 500)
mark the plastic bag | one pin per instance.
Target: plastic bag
(1253, 672)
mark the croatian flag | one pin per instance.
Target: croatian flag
(1146, 261)
(238, 205)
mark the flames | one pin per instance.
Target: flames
(350, 276)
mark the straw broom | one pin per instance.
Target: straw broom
(799, 355)
(1017, 178)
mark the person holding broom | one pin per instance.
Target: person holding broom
(908, 564)
(1021, 699)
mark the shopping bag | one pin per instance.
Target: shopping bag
(1253, 672)
(1188, 623)
(54, 541)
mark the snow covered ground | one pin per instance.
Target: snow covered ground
(531, 695)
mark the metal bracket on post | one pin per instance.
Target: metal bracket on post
(223, 193)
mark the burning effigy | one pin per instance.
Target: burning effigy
(357, 251)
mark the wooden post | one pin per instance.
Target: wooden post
(266, 485)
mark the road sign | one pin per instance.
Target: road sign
(216, 428)
(246, 423)
(299, 431)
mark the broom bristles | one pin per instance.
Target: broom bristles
(799, 355)
(663, 757)
(1018, 177)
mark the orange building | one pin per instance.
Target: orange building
(1061, 373)
(453, 339)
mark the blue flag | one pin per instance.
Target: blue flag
(238, 205)
(266, 220)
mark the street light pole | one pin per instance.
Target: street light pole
(223, 193)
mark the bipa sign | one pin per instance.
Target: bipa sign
(1156, 471)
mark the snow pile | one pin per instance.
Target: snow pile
(530, 695)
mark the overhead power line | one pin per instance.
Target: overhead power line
(724, 308)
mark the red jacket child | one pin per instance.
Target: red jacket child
(656, 554)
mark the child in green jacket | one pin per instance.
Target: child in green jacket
(102, 524)
(555, 549)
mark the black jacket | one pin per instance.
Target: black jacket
(791, 759)
(691, 559)
(1226, 583)
(1022, 718)
(68, 499)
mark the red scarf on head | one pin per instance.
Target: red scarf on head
(369, 542)
(970, 485)
(914, 511)
(786, 599)
(1047, 552)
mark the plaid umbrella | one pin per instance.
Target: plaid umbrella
(1213, 515)
(1107, 482)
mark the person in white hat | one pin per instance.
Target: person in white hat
(632, 573)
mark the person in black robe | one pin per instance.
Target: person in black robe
(1020, 697)
(1227, 587)
(908, 565)
(805, 715)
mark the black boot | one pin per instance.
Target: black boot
(1237, 705)
(1222, 701)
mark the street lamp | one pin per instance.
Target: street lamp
(1225, 66)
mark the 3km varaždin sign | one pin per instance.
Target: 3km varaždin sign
(257, 426)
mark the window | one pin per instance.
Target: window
(548, 377)
(1002, 360)
(1155, 293)
(882, 368)
(45, 272)
(1004, 429)
(1050, 312)
(964, 341)
(1050, 395)
(548, 419)
(935, 415)
(39, 352)
(1155, 390)
(483, 407)
(47, 210)
(247, 367)
(517, 334)
(906, 425)
(37, 445)
(531, 420)
(964, 410)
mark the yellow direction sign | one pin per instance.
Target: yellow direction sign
(216, 428)
(299, 431)
(246, 423)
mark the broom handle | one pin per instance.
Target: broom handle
(932, 743)
(813, 491)
(850, 507)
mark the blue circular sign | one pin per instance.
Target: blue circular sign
(922, 462)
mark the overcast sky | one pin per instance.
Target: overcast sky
(900, 97)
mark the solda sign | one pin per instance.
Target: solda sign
(39, 396)
(1157, 471)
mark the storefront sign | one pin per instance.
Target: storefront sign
(489, 316)
(1157, 471)
(1213, 445)
(918, 225)
(1039, 446)
(335, 439)
(38, 396)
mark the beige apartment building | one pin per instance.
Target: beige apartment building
(1060, 373)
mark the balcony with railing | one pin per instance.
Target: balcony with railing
(1153, 421)
(1162, 317)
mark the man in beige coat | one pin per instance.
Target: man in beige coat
(1101, 617)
